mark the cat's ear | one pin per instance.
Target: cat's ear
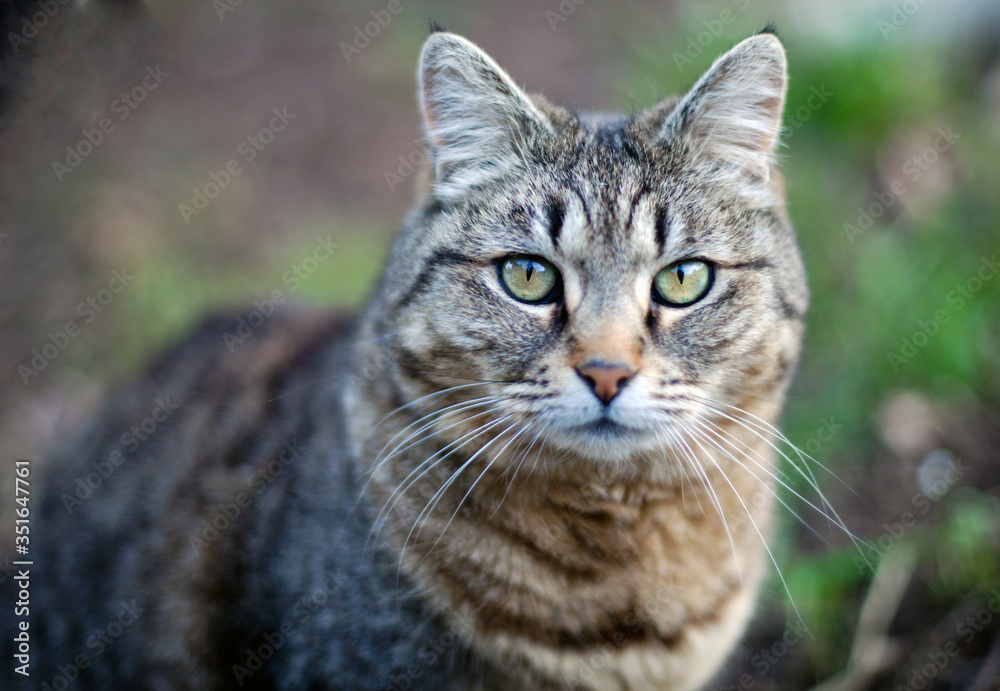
(477, 121)
(732, 115)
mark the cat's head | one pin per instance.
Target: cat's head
(596, 284)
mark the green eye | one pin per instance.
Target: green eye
(683, 283)
(529, 279)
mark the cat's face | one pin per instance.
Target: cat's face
(602, 286)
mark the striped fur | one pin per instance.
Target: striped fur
(608, 200)
(444, 503)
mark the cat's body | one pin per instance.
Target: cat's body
(480, 484)
(255, 542)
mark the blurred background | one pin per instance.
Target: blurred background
(166, 158)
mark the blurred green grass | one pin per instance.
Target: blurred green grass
(174, 292)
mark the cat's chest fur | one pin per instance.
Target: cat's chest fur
(599, 580)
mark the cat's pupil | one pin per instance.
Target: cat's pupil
(529, 279)
(671, 286)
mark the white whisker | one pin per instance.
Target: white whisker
(430, 462)
(703, 475)
(432, 502)
(833, 516)
(760, 534)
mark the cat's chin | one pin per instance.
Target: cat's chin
(605, 441)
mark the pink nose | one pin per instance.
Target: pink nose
(605, 380)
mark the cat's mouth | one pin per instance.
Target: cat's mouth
(604, 436)
(606, 428)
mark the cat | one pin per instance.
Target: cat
(542, 457)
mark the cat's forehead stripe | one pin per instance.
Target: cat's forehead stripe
(555, 213)
(575, 188)
(643, 191)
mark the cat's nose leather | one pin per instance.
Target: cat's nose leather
(604, 379)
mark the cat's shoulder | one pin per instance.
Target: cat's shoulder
(218, 392)
(250, 346)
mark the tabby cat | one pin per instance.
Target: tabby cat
(542, 457)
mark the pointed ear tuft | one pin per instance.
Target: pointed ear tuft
(478, 123)
(435, 27)
(733, 113)
(770, 28)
